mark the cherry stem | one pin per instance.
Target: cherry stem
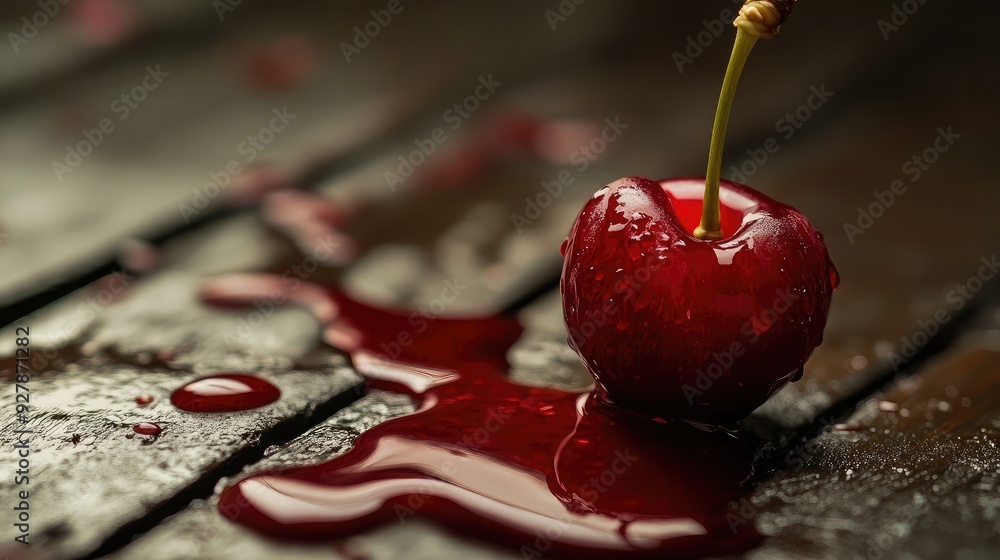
(711, 212)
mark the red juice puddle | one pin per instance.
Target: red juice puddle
(226, 392)
(143, 400)
(543, 470)
(147, 429)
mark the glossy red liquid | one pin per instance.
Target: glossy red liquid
(143, 400)
(147, 429)
(227, 392)
(542, 470)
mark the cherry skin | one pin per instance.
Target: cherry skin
(677, 327)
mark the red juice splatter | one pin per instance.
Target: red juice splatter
(312, 221)
(112, 287)
(227, 392)
(147, 429)
(507, 133)
(143, 400)
(139, 257)
(282, 64)
(103, 22)
(254, 183)
(544, 470)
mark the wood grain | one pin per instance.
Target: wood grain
(913, 473)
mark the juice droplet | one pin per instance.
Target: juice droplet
(147, 429)
(227, 392)
(563, 246)
(143, 400)
(834, 277)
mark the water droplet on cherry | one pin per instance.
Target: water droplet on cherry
(834, 277)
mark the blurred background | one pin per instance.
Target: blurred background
(115, 115)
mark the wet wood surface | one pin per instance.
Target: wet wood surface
(913, 472)
(914, 451)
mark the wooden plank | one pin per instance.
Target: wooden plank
(202, 112)
(45, 43)
(898, 269)
(913, 473)
(91, 362)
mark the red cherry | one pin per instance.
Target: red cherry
(673, 326)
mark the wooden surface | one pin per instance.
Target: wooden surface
(913, 478)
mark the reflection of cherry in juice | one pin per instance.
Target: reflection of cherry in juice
(544, 470)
